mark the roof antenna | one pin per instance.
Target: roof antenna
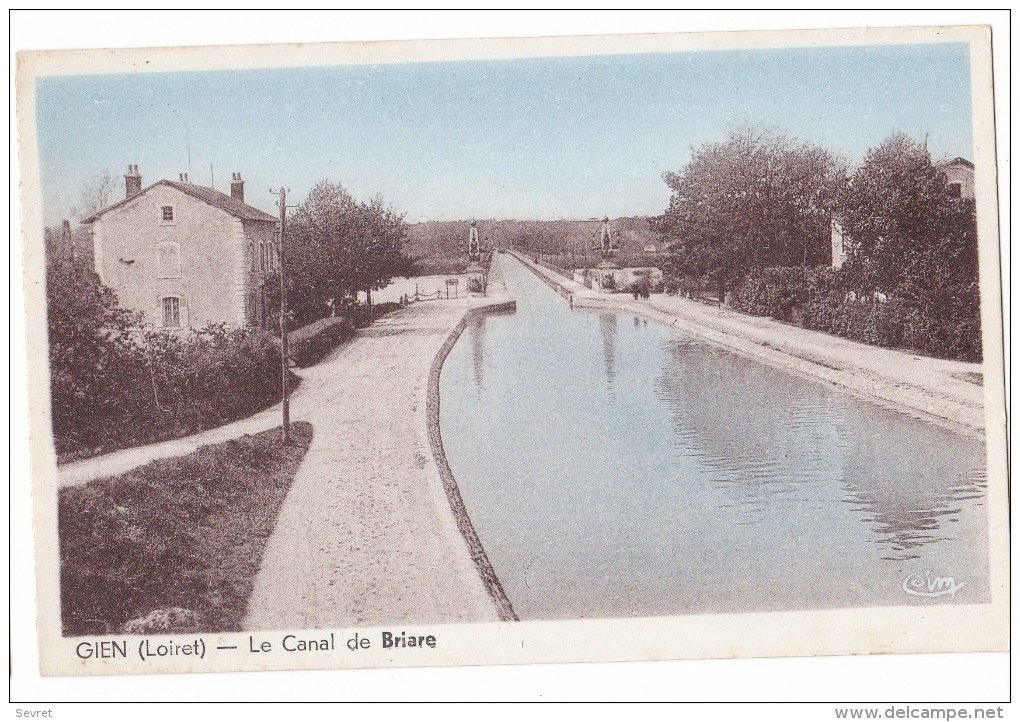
(187, 137)
(212, 177)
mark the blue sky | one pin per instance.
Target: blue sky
(537, 138)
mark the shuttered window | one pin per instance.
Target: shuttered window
(171, 312)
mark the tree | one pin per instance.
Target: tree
(90, 347)
(379, 256)
(308, 283)
(342, 246)
(751, 201)
(318, 244)
(98, 193)
(905, 235)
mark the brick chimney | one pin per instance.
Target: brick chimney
(183, 177)
(236, 187)
(132, 182)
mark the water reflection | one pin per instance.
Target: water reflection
(911, 507)
(766, 433)
(607, 327)
(704, 482)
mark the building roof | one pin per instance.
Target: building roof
(208, 195)
(957, 161)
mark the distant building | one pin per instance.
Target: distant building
(960, 177)
(186, 255)
(838, 244)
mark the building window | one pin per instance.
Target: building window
(167, 215)
(171, 312)
(168, 260)
(955, 190)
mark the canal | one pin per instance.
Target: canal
(614, 467)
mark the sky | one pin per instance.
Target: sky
(546, 138)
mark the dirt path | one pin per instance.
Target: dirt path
(366, 535)
(946, 392)
(123, 461)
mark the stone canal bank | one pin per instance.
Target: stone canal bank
(949, 393)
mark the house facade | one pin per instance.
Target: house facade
(186, 255)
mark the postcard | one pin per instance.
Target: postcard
(506, 351)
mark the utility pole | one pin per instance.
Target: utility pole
(284, 349)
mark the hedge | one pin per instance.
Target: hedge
(313, 342)
(820, 299)
(158, 385)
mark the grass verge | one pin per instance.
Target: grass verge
(174, 545)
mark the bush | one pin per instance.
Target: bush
(363, 314)
(113, 385)
(778, 292)
(823, 300)
(156, 385)
(313, 342)
(210, 376)
(640, 287)
(690, 286)
(474, 285)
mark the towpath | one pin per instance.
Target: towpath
(946, 392)
(367, 534)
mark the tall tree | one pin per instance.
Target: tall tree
(319, 234)
(99, 192)
(754, 200)
(89, 340)
(342, 246)
(379, 256)
(905, 234)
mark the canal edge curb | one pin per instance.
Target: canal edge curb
(550, 282)
(490, 581)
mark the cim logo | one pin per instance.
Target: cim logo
(931, 586)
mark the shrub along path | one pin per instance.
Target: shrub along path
(119, 462)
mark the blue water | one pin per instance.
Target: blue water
(616, 467)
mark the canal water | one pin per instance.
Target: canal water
(615, 467)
